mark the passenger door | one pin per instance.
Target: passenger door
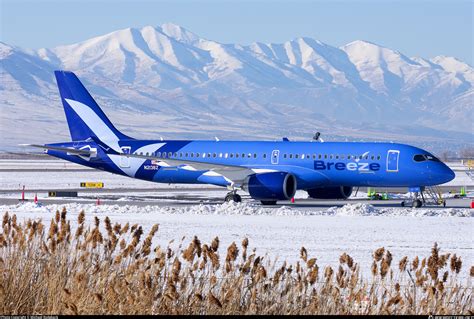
(275, 156)
(392, 160)
(125, 161)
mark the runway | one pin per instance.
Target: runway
(185, 197)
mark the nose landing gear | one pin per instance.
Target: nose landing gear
(418, 198)
(416, 203)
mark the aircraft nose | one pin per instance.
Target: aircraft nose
(450, 174)
(445, 174)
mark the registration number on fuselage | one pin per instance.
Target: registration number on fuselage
(151, 167)
(351, 166)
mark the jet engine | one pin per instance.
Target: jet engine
(338, 192)
(271, 186)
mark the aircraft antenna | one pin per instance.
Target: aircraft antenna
(317, 137)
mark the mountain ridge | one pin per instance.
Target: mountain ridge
(183, 80)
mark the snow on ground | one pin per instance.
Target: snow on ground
(357, 229)
(243, 209)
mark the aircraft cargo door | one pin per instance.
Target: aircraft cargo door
(392, 160)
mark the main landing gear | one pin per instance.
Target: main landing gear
(233, 197)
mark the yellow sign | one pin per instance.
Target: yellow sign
(92, 184)
(470, 164)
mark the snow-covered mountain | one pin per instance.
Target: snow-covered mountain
(167, 81)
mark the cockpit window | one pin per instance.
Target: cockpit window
(432, 158)
(425, 157)
(419, 158)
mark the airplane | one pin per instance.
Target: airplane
(269, 171)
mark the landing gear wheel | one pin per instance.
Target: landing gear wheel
(417, 203)
(237, 198)
(231, 197)
(268, 202)
(444, 203)
(402, 204)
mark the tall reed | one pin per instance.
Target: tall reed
(114, 269)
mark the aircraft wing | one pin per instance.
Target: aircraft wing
(233, 173)
(72, 151)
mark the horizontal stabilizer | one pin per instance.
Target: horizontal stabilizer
(71, 151)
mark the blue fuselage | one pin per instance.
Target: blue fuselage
(313, 164)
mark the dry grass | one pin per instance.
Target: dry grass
(114, 269)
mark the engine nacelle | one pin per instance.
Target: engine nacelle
(338, 192)
(271, 186)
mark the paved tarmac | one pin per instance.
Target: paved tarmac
(161, 198)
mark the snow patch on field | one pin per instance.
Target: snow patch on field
(357, 209)
(361, 209)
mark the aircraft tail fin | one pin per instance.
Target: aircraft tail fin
(84, 117)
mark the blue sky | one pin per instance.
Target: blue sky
(416, 28)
